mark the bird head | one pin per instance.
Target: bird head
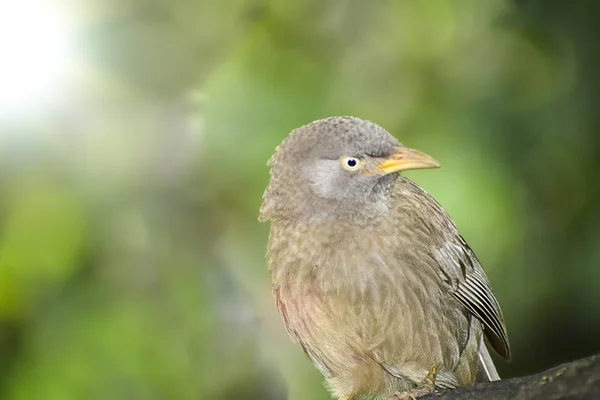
(336, 165)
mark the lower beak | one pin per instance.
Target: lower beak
(404, 159)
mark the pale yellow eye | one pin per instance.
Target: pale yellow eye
(350, 163)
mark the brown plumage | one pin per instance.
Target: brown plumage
(369, 273)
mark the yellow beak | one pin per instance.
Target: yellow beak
(405, 159)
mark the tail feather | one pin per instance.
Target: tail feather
(487, 369)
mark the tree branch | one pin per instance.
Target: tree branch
(578, 380)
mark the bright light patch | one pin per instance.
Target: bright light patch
(34, 52)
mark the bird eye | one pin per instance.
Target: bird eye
(350, 163)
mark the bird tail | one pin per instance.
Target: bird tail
(487, 369)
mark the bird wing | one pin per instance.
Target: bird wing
(474, 292)
(458, 264)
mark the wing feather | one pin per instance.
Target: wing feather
(457, 263)
(475, 293)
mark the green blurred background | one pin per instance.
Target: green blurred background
(133, 160)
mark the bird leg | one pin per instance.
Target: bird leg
(427, 386)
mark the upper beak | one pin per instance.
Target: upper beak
(404, 159)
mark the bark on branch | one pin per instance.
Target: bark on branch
(578, 380)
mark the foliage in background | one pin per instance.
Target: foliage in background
(131, 259)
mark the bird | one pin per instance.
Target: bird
(369, 273)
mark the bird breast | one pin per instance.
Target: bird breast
(357, 262)
(360, 274)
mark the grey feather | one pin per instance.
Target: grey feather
(486, 365)
(476, 294)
